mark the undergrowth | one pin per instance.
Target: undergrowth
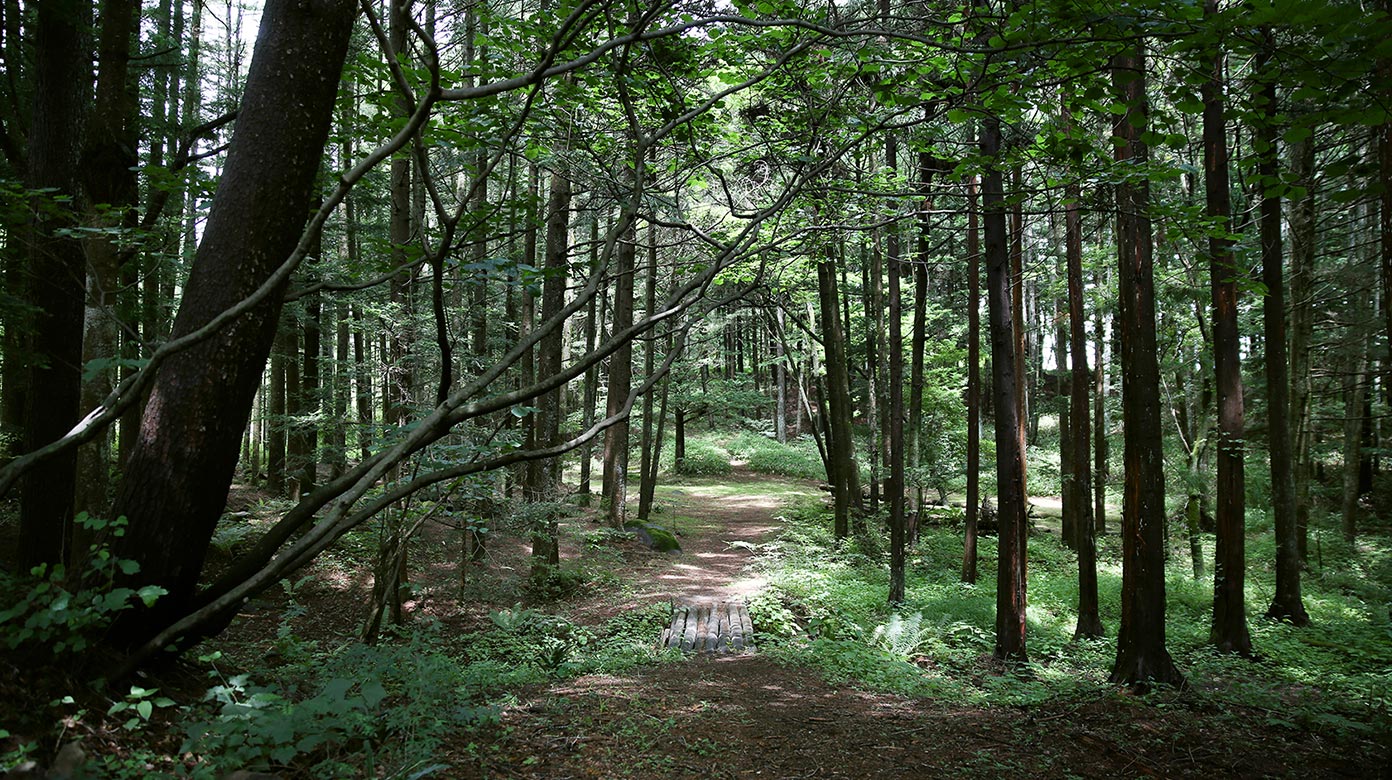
(825, 606)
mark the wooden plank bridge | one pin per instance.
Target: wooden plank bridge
(710, 627)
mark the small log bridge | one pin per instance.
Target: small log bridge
(710, 627)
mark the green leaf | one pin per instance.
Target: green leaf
(144, 709)
(373, 693)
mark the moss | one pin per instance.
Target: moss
(654, 538)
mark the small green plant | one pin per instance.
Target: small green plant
(529, 636)
(52, 617)
(140, 704)
(902, 636)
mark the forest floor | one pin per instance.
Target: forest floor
(736, 716)
(759, 714)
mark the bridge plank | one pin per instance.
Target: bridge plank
(709, 626)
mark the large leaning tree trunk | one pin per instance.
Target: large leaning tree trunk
(175, 484)
(1142, 659)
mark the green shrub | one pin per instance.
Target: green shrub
(53, 617)
(704, 459)
(376, 709)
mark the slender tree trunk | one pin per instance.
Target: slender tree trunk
(544, 476)
(275, 437)
(591, 392)
(648, 468)
(780, 423)
(620, 384)
(363, 374)
(898, 523)
(917, 379)
(1303, 234)
(1287, 603)
(307, 427)
(1010, 451)
(1080, 486)
(108, 164)
(1229, 629)
(838, 415)
(973, 385)
(1355, 389)
(1101, 468)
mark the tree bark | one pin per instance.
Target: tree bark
(973, 385)
(544, 476)
(175, 484)
(1080, 486)
(647, 481)
(620, 384)
(57, 270)
(108, 164)
(1287, 603)
(1303, 236)
(838, 413)
(1142, 659)
(898, 523)
(1229, 628)
(1010, 451)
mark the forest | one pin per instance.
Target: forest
(378, 378)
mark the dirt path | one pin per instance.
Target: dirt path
(746, 716)
(712, 564)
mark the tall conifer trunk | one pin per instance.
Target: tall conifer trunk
(1286, 603)
(1142, 658)
(1229, 630)
(973, 385)
(1010, 452)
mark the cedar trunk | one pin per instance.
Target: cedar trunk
(56, 272)
(1142, 659)
(973, 385)
(1287, 603)
(1080, 486)
(1010, 451)
(1229, 629)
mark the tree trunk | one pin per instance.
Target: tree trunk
(1101, 468)
(647, 483)
(1303, 237)
(1142, 659)
(56, 269)
(898, 523)
(544, 475)
(277, 420)
(620, 384)
(1354, 390)
(1080, 486)
(108, 164)
(973, 385)
(175, 485)
(1010, 451)
(1229, 629)
(845, 483)
(1287, 603)
(591, 391)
